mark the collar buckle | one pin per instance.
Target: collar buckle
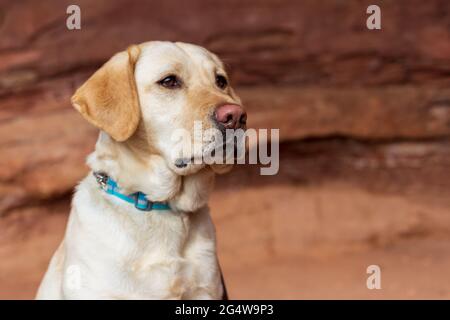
(141, 202)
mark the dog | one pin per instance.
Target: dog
(140, 227)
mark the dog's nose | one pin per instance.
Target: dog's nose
(231, 116)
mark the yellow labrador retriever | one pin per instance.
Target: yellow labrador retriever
(140, 227)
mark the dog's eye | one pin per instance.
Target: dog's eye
(221, 81)
(170, 82)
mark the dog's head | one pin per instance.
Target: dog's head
(148, 95)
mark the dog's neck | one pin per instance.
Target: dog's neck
(149, 173)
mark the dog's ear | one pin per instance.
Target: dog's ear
(109, 99)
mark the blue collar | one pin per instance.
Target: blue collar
(139, 199)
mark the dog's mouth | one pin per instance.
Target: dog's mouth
(183, 162)
(214, 153)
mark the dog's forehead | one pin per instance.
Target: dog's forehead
(157, 54)
(199, 53)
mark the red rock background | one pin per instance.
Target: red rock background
(364, 120)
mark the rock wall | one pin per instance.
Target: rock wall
(354, 106)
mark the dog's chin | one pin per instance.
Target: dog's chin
(221, 168)
(227, 162)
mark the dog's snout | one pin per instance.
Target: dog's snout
(231, 116)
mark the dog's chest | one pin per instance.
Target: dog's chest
(170, 257)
